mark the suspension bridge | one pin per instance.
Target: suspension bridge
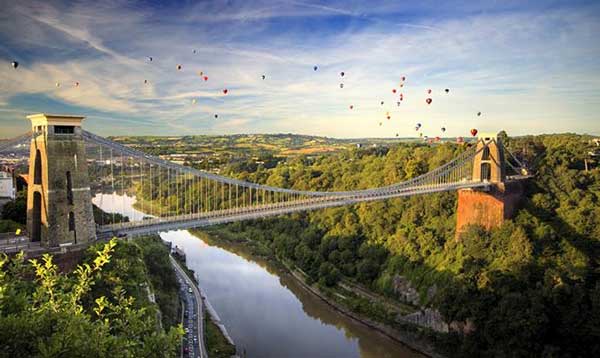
(69, 166)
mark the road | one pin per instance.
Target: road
(193, 321)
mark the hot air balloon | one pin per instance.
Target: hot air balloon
(57, 84)
(342, 74)
(443, 129)
(429, 91)
(263, 77)
(388, 117)
(150, 58)
(179, 67)
(216, 116)
(146, 81)
(380, 124)
(193, 51)
(225, 91)
(473, 132)
(428, 100)
(193, 101)
(421, 135)
(396, 134)
(459, 140)
(341, 85)
(478, 114)
(315, 68)
(401, 85)
(351, 106)
(205, 78)
(437, 139)
(394, 90)
(381, 103)
(398, 103)
(447, 90)
(403, 78)
(76, 84)
(14, 64)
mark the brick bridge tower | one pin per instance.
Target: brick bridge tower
(59, 203)
(490, 207)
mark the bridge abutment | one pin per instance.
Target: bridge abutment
(489, 208)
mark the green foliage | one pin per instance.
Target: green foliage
(526, 286)
(162, 277)
(10, 226)
(52, 316)
(16, 210)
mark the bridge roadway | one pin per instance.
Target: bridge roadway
(189, 221)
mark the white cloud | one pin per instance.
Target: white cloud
(527, 72)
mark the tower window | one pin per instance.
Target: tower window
(64, 129)
(69, 188)
(71, 221)
(38, 168)
(486, 172)
(486, 154)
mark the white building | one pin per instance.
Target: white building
(7, 188)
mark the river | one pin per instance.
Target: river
(267, 312)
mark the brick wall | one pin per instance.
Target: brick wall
(487, 208)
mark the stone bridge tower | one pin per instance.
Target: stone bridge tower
(490, 207)
(59, 205)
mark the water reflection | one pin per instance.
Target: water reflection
(266, 311)
(118, 203)
(270, 314)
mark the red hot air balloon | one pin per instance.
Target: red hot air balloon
(428, 100)
(205, 78)
(473, 132)
(394, 90)
(76, 84)
(225, 91)
(437, 139)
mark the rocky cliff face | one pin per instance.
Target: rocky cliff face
(405, 292)
(425, 317)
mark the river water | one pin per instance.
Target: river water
(267, 313)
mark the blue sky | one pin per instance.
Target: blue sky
(529, 67)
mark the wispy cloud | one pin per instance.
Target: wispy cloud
(528, 69)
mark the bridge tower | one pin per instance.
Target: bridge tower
(59, 206)
(490, 207)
